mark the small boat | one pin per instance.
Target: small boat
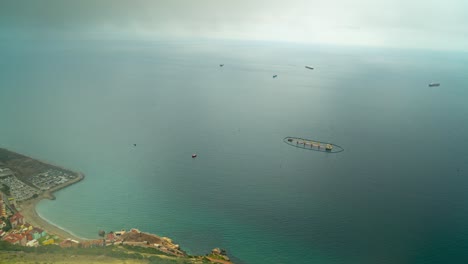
(221, 65)
(312, 145)
(276, 75)
(134, 145)
(194, 156)
(310, 68)
(434, 84)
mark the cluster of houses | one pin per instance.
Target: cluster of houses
(50, 179)
(19, 190)
(38, 183)
(133, 237)
(109, 239)
(24, 234)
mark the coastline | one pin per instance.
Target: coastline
(26, 166)
(28, 210)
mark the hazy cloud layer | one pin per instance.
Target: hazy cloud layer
(399, 23)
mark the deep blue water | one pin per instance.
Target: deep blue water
(397, 194)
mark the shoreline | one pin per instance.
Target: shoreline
(28, 210)
(134, 237)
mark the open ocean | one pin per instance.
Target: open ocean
(397, 194)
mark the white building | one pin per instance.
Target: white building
(32, 243)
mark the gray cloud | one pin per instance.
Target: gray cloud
(398, 23)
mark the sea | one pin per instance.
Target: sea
(397, 194)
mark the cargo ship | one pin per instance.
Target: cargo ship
(313, 145)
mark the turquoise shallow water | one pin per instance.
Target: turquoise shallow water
(397, 194)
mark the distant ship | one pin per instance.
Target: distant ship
(308, 67)
(434, 84)
(221, 65)
(312, 145)
(274, 76)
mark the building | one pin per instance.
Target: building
(16, 219)
(37, 233)
(3, 212)
(26, 227)
(15, 239)
(119, 233)
(48, 242)
(110, 237)
(5, 172)
(69, 243)
(2, 224)
(92, 243)
(32, 243)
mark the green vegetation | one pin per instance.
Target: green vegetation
(5, 189)
(30, 258)
(145, 250)
(7, 227)
(109, 254)
(215, 256)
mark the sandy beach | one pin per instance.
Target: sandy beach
(28, 210)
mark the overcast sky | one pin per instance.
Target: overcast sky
(430, 24)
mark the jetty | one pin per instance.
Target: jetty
(315, 145)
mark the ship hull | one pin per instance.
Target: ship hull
(314, 145)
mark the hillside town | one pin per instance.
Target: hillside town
(14, 228)
(17, 231)
(14, 190)
(25, 181)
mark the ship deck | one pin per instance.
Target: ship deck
(310, 144)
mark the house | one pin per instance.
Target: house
(2, 233)
(32, 243)
(3, 212)
(37, 233)
(69, 243)
(15, 239)
(92, 243)
(16, 220)
(11, 239)
(110, 237)
(120, 233)
(2, 224)
(48, 242)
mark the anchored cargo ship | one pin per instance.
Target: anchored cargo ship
(312, 145)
